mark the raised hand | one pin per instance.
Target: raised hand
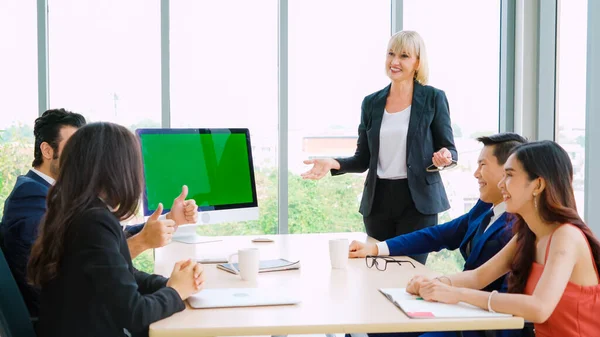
(183, 211)
(157, 233)
(320, 168)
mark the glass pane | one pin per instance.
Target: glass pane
(224, 74)
(464, 62)
(104, 63)
(571, 88)
(105, 60)
(337, 52)
(18, 91)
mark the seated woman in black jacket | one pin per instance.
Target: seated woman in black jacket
(81, 260)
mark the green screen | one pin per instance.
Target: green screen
(213, 166)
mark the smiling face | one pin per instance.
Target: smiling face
(401, 65)
(488, 174)
(517, 188)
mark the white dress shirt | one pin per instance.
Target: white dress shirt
(46, 177)
(392, 145)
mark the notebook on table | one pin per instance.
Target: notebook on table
(416, 307)
(242, 297)
(265, 265)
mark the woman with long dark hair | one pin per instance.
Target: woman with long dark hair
(81, 260)
(553, 258)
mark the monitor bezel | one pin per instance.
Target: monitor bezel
(168, 203)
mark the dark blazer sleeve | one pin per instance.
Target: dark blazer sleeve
(430, 239)
(27, 207)
(360, 161)
(119, 288)
(441, 126)
(149, 283)
(23, 213)
(133, 229)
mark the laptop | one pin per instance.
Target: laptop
(242, 297)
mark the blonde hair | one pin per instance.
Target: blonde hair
(412, 43)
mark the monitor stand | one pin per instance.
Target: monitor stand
(188, 235)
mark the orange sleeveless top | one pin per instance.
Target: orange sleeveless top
(578, 311)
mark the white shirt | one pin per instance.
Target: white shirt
(46, 177)
(498, 210)
(392, 145)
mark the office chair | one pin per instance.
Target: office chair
(14, 317)
(529, 329)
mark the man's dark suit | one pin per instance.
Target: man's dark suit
(23, 212)
(476, 246)
(429, 130)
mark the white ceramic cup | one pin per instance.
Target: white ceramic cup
(249, 260)
(338, 253)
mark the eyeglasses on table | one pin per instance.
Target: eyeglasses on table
(381, 262)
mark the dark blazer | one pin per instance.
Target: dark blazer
(457, 234)
(23, 210)
(429, 130)
(97, 292)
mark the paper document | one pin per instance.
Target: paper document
(266, 265)
(416, 307)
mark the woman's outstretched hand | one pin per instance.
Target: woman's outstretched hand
(320, 168)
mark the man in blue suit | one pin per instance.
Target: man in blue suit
(26, 204)
(479, 234)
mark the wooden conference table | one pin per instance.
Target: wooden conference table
(333, 300)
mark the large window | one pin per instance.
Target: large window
(104, 59)
(224, 74)
(104, 62)
(463, 43)
(570, 85)
(18, 91)
(337, 54)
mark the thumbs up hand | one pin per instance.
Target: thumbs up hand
(157, 233)
(183, 211)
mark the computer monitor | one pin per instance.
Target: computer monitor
(215, 164)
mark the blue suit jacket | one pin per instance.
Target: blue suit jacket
(457, 234)
(23, 212)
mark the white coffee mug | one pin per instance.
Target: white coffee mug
(249, 261)
(338, 253)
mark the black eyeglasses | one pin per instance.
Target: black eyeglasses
(378, 262)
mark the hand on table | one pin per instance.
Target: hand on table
(187, 278)
(361, 249)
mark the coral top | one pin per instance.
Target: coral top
(578, 311)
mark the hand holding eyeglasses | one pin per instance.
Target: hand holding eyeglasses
(441, 160)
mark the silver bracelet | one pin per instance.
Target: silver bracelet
(446, 277)
(490, 301)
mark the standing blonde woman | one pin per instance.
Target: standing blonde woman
(404, 129)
